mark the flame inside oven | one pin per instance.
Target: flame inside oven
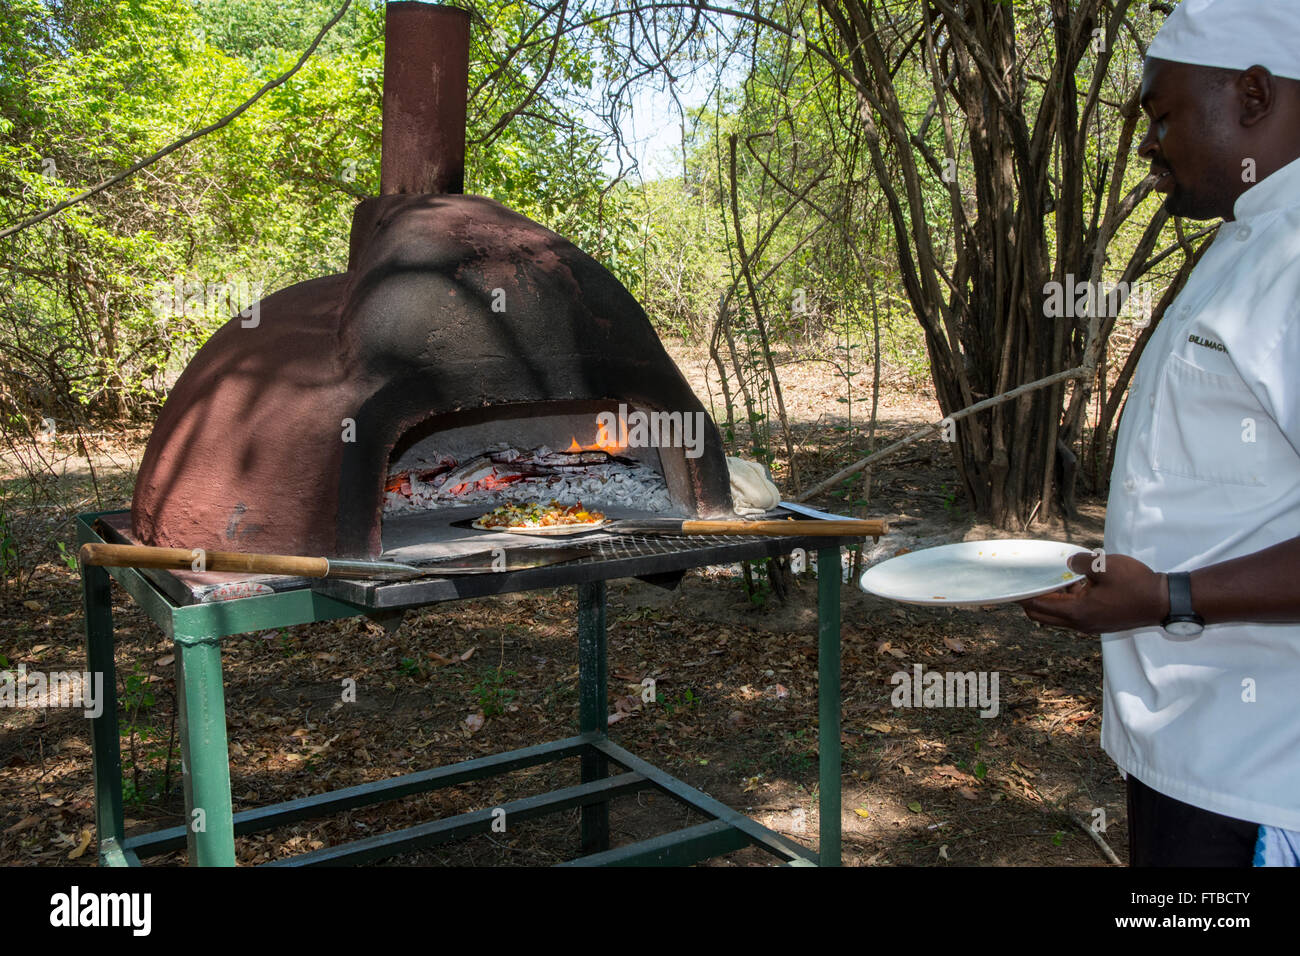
(604, 440)
(603, 472)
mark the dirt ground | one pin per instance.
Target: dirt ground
(735, 678)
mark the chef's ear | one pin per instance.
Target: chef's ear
(1257, 91)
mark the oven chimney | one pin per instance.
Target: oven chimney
(426, 76)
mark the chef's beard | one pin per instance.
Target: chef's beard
(1208, 205)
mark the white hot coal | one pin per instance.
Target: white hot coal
(500, 475)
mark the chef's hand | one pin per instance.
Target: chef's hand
(1122, 593)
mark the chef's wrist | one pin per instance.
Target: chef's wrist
(1202, 600)
(1161, 599)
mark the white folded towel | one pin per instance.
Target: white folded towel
(752, 492)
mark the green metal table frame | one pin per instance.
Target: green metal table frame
(211, 825)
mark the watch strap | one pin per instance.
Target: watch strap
(1180, 599)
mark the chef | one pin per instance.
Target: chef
(1197, 594)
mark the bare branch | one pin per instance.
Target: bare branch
(957, 416)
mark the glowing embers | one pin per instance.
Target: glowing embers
(506, 474)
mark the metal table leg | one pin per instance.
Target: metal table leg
(205, 754)
(106, 748)
(593, 707)
(828, 705)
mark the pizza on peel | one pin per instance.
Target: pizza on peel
(534, 516)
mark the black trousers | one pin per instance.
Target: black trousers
(1163, 831)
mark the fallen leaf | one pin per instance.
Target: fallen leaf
(914, 806)
(440, 659)
(468, 654)
(474, 722)
(32, 606)
(81, 847)
(943, 852)
(881, 728)
(38, 648)
(320, 656)
(897, 653)
(861, 812)
(953, 773)
(954, 645)
(323, 747)
(968, 793)
(24, 823)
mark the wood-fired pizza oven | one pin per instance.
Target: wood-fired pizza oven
(458, 323)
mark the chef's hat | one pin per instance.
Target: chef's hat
(1233, 35)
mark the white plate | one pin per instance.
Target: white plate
(974, 572)
(549, 530)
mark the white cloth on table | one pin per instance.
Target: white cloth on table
(1277, 847)
(752, 492)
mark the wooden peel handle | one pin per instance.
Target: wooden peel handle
(847, 528)
(181, 559)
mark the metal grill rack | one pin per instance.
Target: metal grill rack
(616, 556)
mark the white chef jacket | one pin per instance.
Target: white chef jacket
(1207, 468)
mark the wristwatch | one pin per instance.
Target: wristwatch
(1182, 620)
